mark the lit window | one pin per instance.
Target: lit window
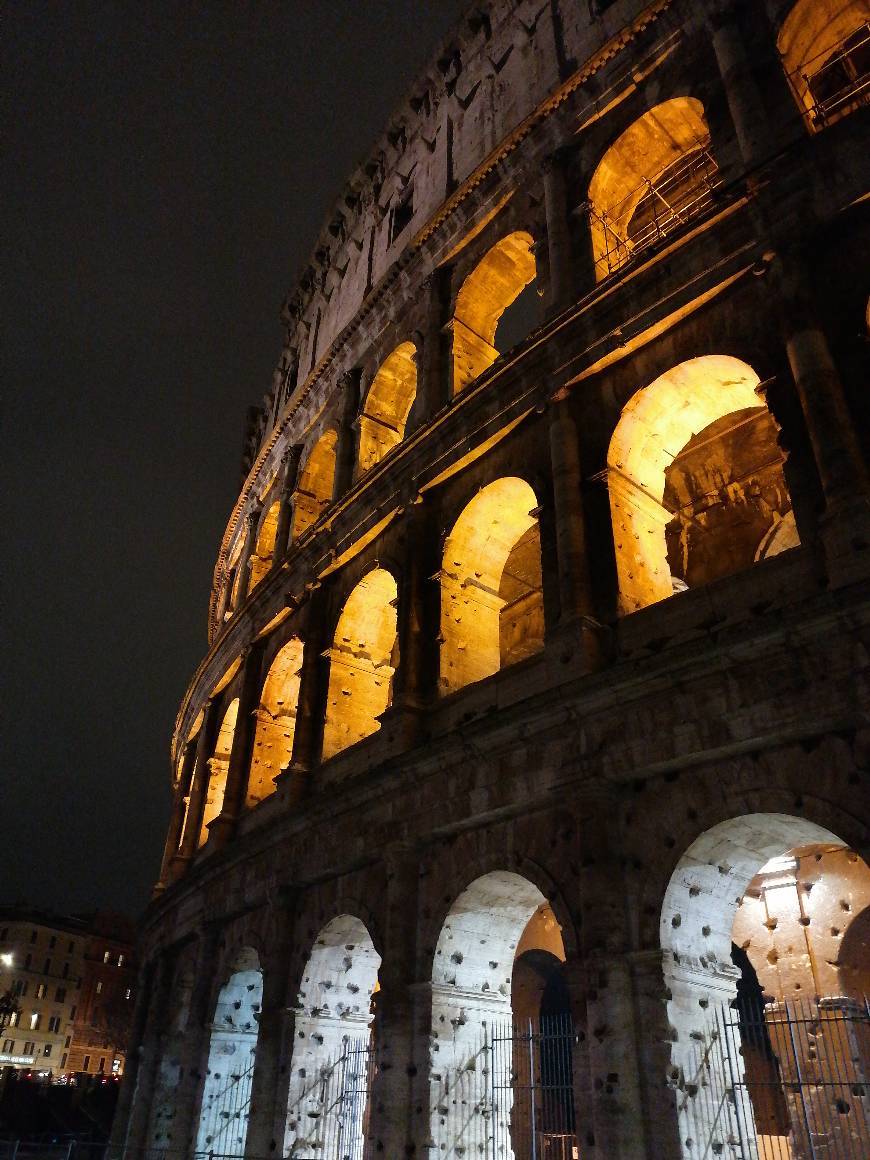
(13, 1019)
(40, 991)
(46, 1051)
(106, 957)
(128, 993)
(99, 986)
(34, 1021)
(120, 960)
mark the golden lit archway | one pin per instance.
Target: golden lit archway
(276, 722)
(695, 480)
(492, 611)
(261, 561)
(491, 287)
(654, 176)
(314, 490)
(362, 661)
(387, 404)
(218, 764)
(825, 50)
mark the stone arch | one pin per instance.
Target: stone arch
(314, 488)
(226, 1096)
(695, 480)
(472, 974)
(261, 560)
(854, 956)
(362, 661)
(218, 766)
(825, 49)
(654, 176)
(492, 609)
(701, 902)
(276, 721)
(387, 404)
(328, 1091)
(493, 285)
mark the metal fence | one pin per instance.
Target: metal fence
(224, 1116)
(837, 80)
(331, 1113)
(787, 1081)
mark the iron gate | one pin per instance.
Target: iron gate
(788, 1081)
(531, 1074)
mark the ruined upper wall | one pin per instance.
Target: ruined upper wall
(504, 59)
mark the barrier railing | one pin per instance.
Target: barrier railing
(836, 81)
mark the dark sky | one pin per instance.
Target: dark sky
(167, 167)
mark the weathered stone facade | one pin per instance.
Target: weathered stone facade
(555, 625)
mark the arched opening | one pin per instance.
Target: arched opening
(501, 1041)
(261, 561)
(695, 478)
(226, 1096)
(362, 661)
(492, 608)
(330, 1068)
(765, 1050)
(314, 490)
(218, 764)
(825, 50)
(387, 404)
(655, 176)
(276, 722)
(495, 284)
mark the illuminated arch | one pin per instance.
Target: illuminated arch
(492, 611)
(472, 978)
(226, 1095)
(261, 561)
(825, 50)
(218, 764)
(707, 892)
(276, 722)
(671, 457)
(387, 404)
(316, 479)
(361, 662)
(331, 1039)
(491, 287)
(653, 177)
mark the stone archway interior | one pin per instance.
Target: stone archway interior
(223, 1120)
(492, 609)
(218, 765)
(493, 285)
(261, 560)
(471, 1003)
(387, 405)
(326, 1110)
(695, 481)
(313, 492)
(814, 43)
(276, 722)
(362, 661)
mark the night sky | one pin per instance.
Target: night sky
(167, 169)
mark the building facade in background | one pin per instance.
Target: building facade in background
(73, 980)
(520, 798)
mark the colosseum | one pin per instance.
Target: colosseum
(520, 806)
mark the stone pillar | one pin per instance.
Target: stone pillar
(130, 1124)
(658, 1084)
(224, 601)
(346, 446)
(562, 275)
(432, 361)
(285, 512)
(576, 601)
(415, 683)
(269, 1087)
(748, 114)
(252, 521)
(391, 1102)
(239, 767)
(180, 802)
(311, 704)
(614, 1067)
(845, 525)
(193, 1055)
(204, 745)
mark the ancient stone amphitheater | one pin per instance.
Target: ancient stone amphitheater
(520, 799)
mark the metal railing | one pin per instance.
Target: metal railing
(655, 208)
(836, 81)
(225, 1112)
(786, 1081)
(331, 1113)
